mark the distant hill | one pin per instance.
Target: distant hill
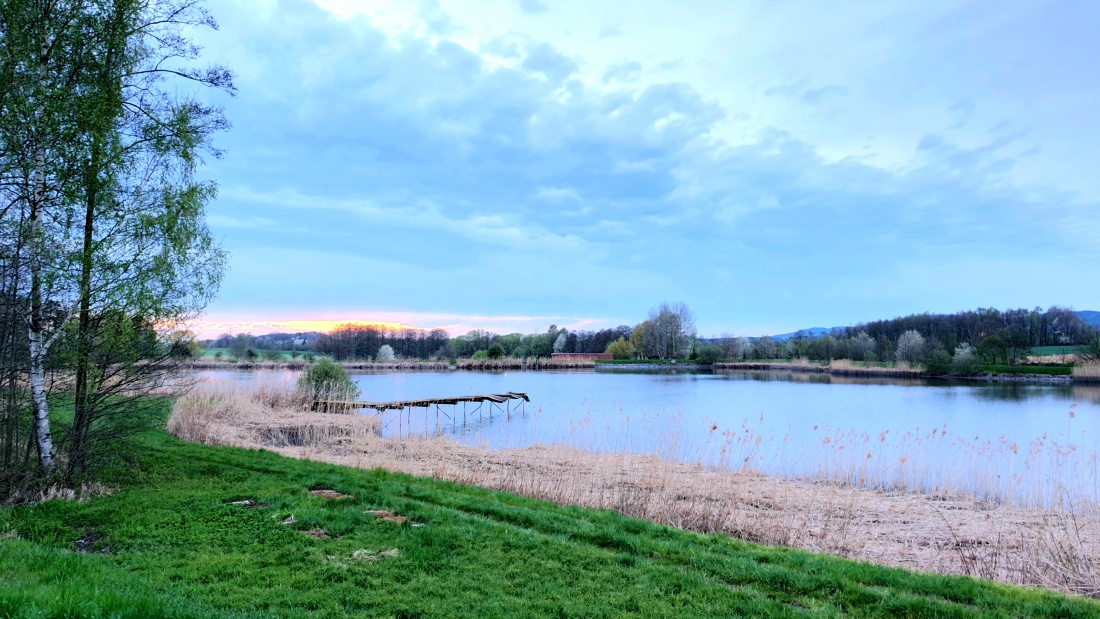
(811, 332)
(1090, 317)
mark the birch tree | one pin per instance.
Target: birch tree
(99, 154)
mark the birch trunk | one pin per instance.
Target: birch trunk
(38, 343)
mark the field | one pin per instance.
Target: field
(191, 530)
(1047, 351)
(209, 354)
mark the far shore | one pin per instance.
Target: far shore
(836, 369)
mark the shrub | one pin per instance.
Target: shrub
(496, 351)
(385, 353)
(621, 349)
(1092, 350)
(272, 355)
(966, 360)
(939, 362)
(328, 380)
(480, 355)
(710, 354)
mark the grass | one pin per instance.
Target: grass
(1053, 370)
(172, 541)
(208, 354)
(1046, 351)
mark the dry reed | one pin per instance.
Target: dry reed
(525, 364)
(847, 366)
(1087, 372)
(931, 531)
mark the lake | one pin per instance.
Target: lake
(1028, 443)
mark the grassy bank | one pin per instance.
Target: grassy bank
(199, 531)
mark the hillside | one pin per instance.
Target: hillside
(1090, 317)
(198, 531)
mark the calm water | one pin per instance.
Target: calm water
(990, 438)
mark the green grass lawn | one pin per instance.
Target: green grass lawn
(208, 354)
(171, 543)
(1056, 370)
(1043, 351)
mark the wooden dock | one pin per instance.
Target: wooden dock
(502, 402)
(496, 398)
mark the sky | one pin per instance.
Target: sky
(508, 165)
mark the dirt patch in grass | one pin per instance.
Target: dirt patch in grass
(331, 495)
(388, 516)
(92, 541)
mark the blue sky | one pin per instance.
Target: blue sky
(775, 165)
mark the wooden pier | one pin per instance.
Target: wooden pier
(502, 402)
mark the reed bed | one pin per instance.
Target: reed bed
(937, 529)
(849, 367)
(525, 364)
(294, 364)
(1087, 372)
(837, 367)
(428, 366)
(794, 365)
(261, 414)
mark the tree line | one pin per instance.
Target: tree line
(104, 249)
(993, 335)
(985, 335)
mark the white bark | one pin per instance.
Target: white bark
(38, 344)
(38, 396)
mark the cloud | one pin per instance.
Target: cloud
(557, 194)
(406, 171)
(226, 221)
(801, 91)
(532, 7)
(623, 71)
(544, 59)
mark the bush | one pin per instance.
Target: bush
(710, 354)
(496, 351)
(966, 360)
(328, 380)
(939, 362)
(385, 353)
(1092, 350)
(621, 349)
(273, 355)
(480, 355)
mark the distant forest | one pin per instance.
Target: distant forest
(991, 335)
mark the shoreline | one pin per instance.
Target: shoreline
(877, 373)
